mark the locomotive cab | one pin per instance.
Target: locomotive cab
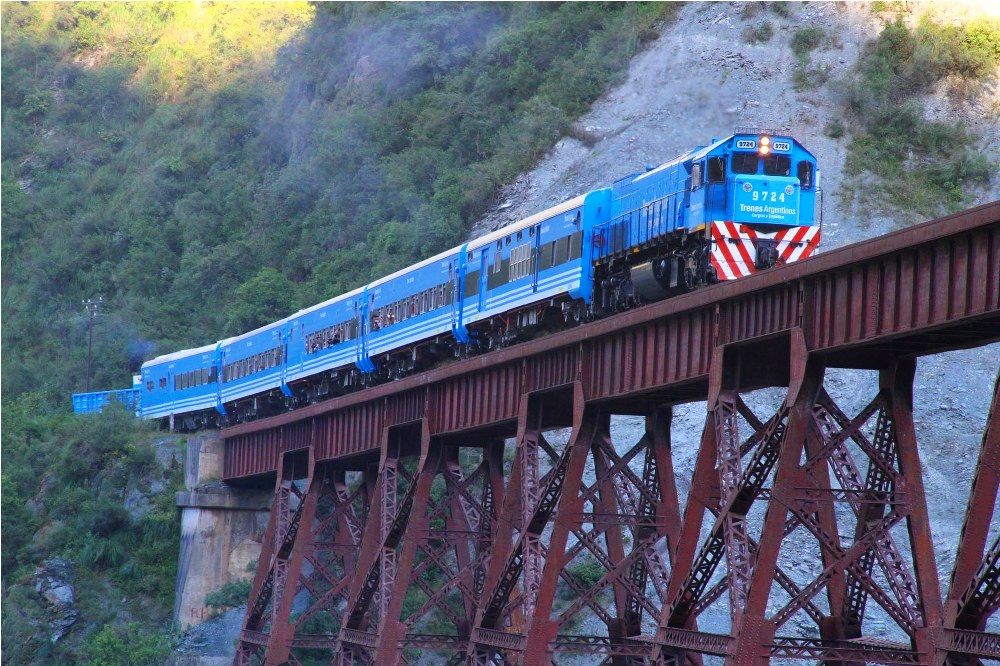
(757, 196)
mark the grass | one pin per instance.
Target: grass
(230, 595)
(835, 129)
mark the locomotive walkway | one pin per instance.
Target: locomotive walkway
(399, 528)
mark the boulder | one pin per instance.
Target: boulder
(53, 583)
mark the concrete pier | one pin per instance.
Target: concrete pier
(221, 529)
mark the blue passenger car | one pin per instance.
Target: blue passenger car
(328, 337)
(519, 277)
(408, 310)
(253, 370)
(184, 382)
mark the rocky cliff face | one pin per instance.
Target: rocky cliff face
(702, 78)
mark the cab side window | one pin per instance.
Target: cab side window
(805, 174)
(716, 169)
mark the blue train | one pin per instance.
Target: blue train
(718, 212)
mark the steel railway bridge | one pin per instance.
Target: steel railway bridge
(437, 518)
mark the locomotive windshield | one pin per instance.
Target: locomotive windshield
(745, 163)
(777, 165)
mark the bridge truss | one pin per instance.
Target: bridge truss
(482, 513)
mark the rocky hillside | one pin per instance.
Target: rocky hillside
(791, 66)
(212, 166)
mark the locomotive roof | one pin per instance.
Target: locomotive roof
(526, 222)
(684, 157)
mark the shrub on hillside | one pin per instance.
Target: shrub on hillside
(924, 166)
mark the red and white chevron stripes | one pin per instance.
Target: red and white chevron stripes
(734, 247)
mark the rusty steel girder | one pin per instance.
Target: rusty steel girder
(441, 516)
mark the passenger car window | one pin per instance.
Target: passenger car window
(778, 165)
(745, 162)
(805, 174)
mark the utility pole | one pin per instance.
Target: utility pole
(92, 306)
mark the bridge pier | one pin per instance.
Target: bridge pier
(220, 529)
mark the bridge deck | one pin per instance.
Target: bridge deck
(922, 290)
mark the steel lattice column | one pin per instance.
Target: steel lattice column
(512, 581)
(974, 593)
(266, 633)
(373, 600)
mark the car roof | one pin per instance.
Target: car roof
(420, 264)
(570, 204)
(173, 356)
(327, 302)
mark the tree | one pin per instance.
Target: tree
(264, 298)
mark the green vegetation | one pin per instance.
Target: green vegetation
(922, 165)
(65, 482)
(751, 9)
(207, 168)
(803, 42)
(783, 9)
(128, 645)
(229, 595)
(759, 33)
(835, 129)
(588, 571)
